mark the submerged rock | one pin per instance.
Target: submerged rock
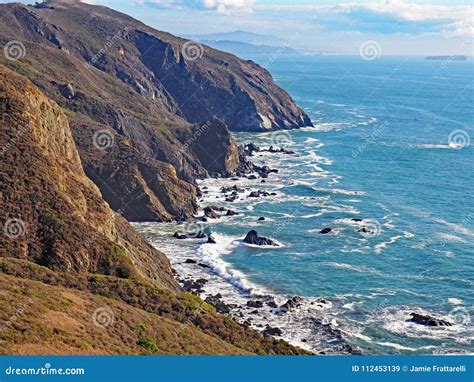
(325, 230)
(253, 237)
(427, 320)
(179, 236)
(291, 304)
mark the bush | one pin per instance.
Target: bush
(147, 343)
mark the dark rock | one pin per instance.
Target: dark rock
(325, 230)
(190, 261)
(210, 213)
(231, 213)
(217, 303)
(261, 218)
(356, 219)
(211, 240)
(67, 91)
(254, 194)
(427, 320)
(178, 236)
(194, 285)
(251, 148)
(253, 237)
(291, 304)
(255, 304)
(272, 331)
(220, 209)
(202, 265)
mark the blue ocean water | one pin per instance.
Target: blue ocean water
(389, 168)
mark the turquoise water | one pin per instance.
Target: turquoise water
(391, 147)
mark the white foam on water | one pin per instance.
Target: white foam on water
(396, 346)
(455, 301)
(449, 237)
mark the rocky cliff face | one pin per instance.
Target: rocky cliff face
(75, 277)
(144, 93)
(52, 213)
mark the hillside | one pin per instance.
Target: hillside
(74, 276)
(136, 99)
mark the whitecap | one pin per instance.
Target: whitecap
(455, 301)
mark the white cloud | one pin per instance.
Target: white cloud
(392, 16)
(221, 6)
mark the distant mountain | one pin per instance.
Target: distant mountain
(240, 36)
(242, 48)
(451, 58)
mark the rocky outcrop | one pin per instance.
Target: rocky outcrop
(215, 148)
(115, 74)
(253, 237)
(427, 320)
(52, 214)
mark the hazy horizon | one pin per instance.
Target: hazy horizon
(398, 28)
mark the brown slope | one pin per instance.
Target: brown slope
(57, 231)
(51, 213)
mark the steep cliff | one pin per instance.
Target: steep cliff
(75, 277)
(144, 93)
(51, 212)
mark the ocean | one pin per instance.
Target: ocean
(389, 168)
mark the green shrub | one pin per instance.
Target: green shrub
(147, 343)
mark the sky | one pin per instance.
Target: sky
(399, 27)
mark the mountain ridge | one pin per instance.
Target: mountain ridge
(147, 92)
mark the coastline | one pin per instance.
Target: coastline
(227, 273)
(201, 267)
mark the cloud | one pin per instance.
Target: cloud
(390, 17)
(221, 6)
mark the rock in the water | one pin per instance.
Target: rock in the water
(250, 148)
(253, 237)
(178, 236)
(255, 304)
(272, 331)
(325, 230)
(190, 261)
(210, 213)
(194, 286)
(261, 218)
(211, 240)
(427, 320)
(291, 304)
(231, 213)
(356, 219)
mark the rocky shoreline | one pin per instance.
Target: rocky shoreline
(261, 311)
